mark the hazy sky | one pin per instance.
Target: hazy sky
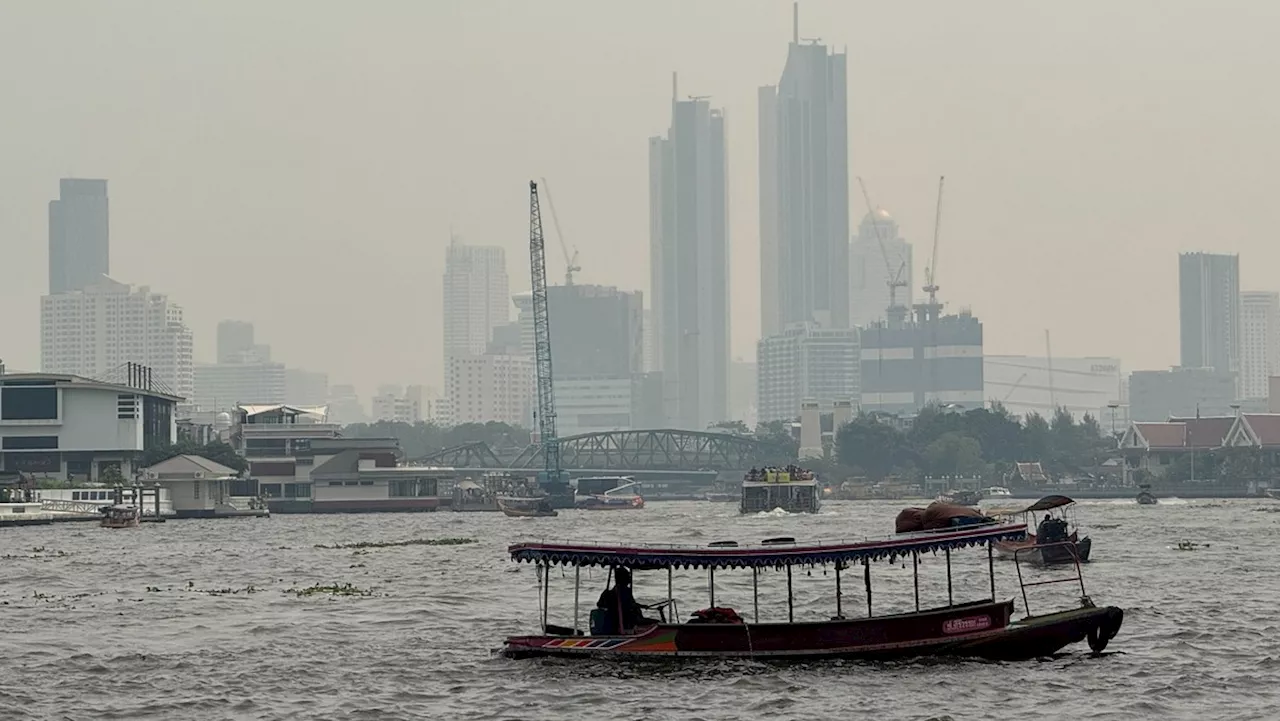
(299, 164)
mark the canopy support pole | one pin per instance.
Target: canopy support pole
(839, 612)
(711, 585)
(577, 587)
(546, 586)
(866, 577)
(791, 616)
(755, 593)
(949, 597)
(991, 568)
(671, 603)
(915, 576)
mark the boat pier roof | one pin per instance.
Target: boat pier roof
(771, 554)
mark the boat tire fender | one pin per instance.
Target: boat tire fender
(1105, 630)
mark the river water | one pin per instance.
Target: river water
(202, 620)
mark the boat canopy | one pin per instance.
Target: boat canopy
(776, 554)
(1048, 503)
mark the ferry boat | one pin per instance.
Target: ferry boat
(960, 498)
(121, 516)
(793, 489)
(982, 628)
(22, 507)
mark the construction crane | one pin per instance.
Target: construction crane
(896, 313)
(570, 262)
(553, 483)
(930, 272)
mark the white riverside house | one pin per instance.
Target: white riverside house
(66, 427)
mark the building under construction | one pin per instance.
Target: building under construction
(910, 363)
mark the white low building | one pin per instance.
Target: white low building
(67, 427)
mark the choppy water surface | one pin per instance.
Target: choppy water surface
(134, 624)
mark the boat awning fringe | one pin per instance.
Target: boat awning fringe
(570, 553)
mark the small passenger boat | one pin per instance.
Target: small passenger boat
(959, 498)
(997, 492)
(1055, 542)
(121, 516)
(620, 498)
(539, 507)
(983, 628)
(1145, 496)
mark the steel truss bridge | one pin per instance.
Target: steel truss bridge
(644, 450)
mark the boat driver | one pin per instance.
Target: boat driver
(620, 603)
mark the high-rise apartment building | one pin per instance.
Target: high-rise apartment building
(1209, 303)
(236, 343)
(490, 387)
(476, 296)
(1259, 342)
(689, 263)
(94, 331)
(804, 190)
(399, 407)
(223, 386)
(805, 363)
(869, 273)
(79, 237)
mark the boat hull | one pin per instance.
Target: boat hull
(979, 630)
(1052, 555)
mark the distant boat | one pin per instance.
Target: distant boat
(960, 498)
(531, 507)
(620, 498)
(1145, 496)
(997, 492)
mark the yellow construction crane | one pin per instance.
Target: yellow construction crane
(570, 262)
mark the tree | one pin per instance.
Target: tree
(738, 428)
(870, 445)
(216, 451)
(778, 433)
(954, 454)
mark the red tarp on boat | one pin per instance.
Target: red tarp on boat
(909, 520)
(938, 515)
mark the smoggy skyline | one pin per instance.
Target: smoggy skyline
(300, 164)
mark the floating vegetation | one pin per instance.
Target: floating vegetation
(191, 588)
(395, 544)
(37, 552)
(332, 589)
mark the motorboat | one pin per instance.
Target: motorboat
(526, 507)
(620, 498)
(997, 492)
(1055, 541)
(960, 498)
(1145, 496)
(982, 628)
(121, 516)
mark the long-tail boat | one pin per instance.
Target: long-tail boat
(983, 628)
(1057, 539)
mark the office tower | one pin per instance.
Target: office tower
(806, 363)
(235, 342)
(689, 262)
(79, 241)
(94, 331)
(804, 190)
(305, 388)
(597, 353)
(869, 273)
(1259, 342)
(223, 386)
(476, 296)
(1209, 301)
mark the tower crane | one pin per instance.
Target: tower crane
(932, 309)
(895, 313)
(570, 262)
(553, 483)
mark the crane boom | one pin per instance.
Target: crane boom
(542, 343)
(930, 273)
(570, 262)
(895, 312)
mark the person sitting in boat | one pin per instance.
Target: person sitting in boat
(620, 606)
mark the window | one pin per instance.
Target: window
(22, 402)
(297, 490)
(270, 490)
(335, 483)
(126, 406)
(29, 443)
(366, 483)
(195, 493)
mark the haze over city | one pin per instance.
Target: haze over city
(302, 165)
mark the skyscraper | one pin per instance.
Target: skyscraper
(869, 273)
(1259, 342)
(78, 235)
(689, 262)
(804, 190)
(476, 296)
(1209, 301)
(94, 331)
